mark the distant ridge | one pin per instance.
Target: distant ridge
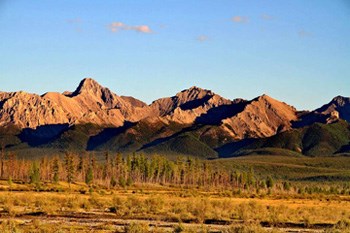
(195, 121)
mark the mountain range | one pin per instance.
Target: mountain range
(193, 122)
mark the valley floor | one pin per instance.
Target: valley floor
(164, 209)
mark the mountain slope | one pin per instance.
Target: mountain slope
(261, 117)
(188, 105)
(184, 144)
(195, 121)
(337, 108)
(315, 140)
(339, 105)
(89, 103)
(92, 103)
(29, 110)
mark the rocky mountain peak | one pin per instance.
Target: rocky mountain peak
(88, 85)
(340, 100)
(273, 103)
(193, 95)
(188, 104)
(340, 104)
(194, 92)
(94, 96)
(134, 102)
(261, 117)
(264, 97)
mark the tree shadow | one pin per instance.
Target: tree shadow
(195, 103)
(42, 134)
(344, 149)
(215, 115)
(309, 118)
(164, 139)
(107, 134)
(232, 149)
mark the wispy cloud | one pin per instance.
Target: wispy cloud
(119, 26)
(266, 17)
(240, 19)
(74, 21)
(76, 24)
(202, 38)
(303, 33)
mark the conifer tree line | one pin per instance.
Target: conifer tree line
(118, 171)
(114, 170)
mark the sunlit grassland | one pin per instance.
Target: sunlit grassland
(306, 193)
(53, 211)
(294, 168)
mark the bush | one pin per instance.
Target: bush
(154, 204)
(250, 212)
(179, 228)
(341, 226)
(136, 228)
(9, 226)
(118, 206)
(250, 228)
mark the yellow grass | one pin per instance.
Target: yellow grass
(170, 205)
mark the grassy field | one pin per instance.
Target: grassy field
(293, 168)
(141, 208)
(318, 200)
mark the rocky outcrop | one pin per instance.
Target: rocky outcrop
(261, 117)
(186, 106)
(89, 103)
(340, 104)
(29, 110)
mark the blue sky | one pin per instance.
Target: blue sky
(296, 51)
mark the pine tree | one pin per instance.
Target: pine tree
(250, 177)
(106, 166)
(286, 186)
(11, 164)
(122, 182)
(9, 181)
(2, 158)
(69, 166)
(56, 170)
(80, 164)
(269, 182)
(113, 181)
(34, 174)
(89, 176)
(129, 181)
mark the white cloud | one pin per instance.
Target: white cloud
(303, 33)
(75, 23)
(118, 26)
(202, 38)
(240, 19)
(266, 17)
(74, 20)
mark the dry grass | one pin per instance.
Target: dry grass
(169, 206)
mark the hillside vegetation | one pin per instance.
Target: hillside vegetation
(315, 140)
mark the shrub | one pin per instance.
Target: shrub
(136, 228)
(118, 206)
(179, 228)
(9, 226)
(249, 228)
(250, 212)
(154, 204)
